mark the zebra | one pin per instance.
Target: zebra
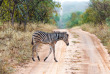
(47, 38)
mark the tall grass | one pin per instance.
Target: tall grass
(15, 45)
(102, 32)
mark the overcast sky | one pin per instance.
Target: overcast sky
(71, 0)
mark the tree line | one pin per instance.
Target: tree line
(98, 12)
(23, 11)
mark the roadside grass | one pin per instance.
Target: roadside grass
(15, 45)
(76, 36)
(75, 42)
(102, 32)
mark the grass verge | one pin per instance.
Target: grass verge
(15, 45)
(102, 32)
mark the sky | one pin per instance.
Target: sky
(71, 0)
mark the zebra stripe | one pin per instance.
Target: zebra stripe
(48, 38)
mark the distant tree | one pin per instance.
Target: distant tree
(90, 16)
(75, 19)
(98, 12)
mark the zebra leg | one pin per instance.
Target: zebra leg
(54, 53)
(49, 53)
(37, 53)
(33, 49)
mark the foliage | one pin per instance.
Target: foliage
(66, 18)
(75, 19)
(98, 12)
(108, 21)
(24, 11)
(56, 18)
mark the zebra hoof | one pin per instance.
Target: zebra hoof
(33, 59)
(38, 58)
(55, 60)
(45, 58)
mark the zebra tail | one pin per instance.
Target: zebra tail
(32, 42)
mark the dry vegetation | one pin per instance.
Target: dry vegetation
(102, 32)
(15, 45)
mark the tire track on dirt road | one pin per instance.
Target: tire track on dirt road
(98, 63)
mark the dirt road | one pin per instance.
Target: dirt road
(84, 55)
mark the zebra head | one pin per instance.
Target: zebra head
(62, 36)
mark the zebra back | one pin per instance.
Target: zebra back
(44, 37)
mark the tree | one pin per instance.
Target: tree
(98, 12)
(75, 19)
(24, 11)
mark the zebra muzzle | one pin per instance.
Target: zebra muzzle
(67, 44)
